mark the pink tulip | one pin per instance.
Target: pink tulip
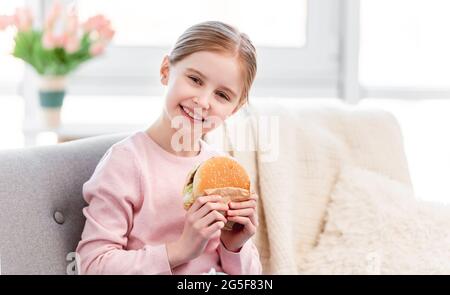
(23, 19)
(100, 33)
(53, 15)
(72, 44)
(66, 37)
(72, 41)
(5, 21)
(72, 24)
(98, 27)
(96, 22)
(106, 33)
(48, 41)
(60, 40)
(97, 48)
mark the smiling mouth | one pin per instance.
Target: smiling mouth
(191, 115)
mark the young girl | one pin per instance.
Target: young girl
(135, 221)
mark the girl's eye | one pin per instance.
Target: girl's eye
(197, 81)
(221, 94)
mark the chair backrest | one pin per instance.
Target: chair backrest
(41, 204)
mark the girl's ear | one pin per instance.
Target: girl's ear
(164, 71)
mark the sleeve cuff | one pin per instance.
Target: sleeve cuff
(232, 262)
(158, 262)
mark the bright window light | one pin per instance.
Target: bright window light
(405, 43)
(11, 69)
(156, 23)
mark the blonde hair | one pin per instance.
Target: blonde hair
(217, 36)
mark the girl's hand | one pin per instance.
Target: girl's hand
(203, 222)
(244, 214)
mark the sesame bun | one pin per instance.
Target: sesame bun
(217, 176)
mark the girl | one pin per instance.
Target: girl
(135, 221)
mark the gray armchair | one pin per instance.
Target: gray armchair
(41, 204)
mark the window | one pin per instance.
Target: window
(11, 69)
(404, 55)
(153, 22)
(405, 43)
(297, 43)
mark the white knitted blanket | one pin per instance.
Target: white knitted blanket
(296, 164)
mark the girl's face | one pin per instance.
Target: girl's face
(203, 89)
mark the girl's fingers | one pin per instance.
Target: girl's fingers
(211, 218)
(240, 219)
(245, 221)
(241, 212)
(207, 204)
(200, 201)
(210, 207)
(241, 205)
(213, 229)
(254, 219)
(250, 213)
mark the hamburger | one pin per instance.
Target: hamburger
(218, 175)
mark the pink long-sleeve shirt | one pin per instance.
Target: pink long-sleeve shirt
(135, 207)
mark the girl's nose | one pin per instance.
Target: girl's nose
(202, 102)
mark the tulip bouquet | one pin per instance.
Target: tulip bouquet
(62, 44)
(56, 49)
